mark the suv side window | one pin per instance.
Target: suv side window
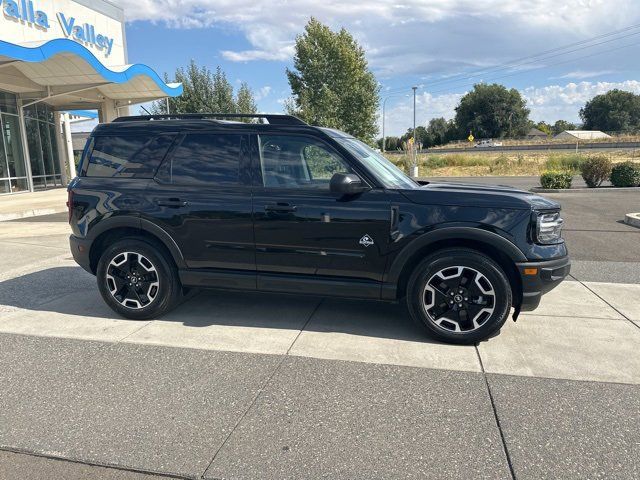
(206, 159)
(132, 156)
(291, 161)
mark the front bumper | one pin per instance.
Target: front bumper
(80, 250)
(548, 275)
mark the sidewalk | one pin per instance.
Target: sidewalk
(24, 205)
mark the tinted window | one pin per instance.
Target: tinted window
(127, 155)
(206, 159)
(298, 162)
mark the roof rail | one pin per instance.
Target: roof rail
(273, 119)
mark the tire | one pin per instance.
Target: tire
(137, 279)
(459, 296)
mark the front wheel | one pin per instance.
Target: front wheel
(137, 280)
(459, 295)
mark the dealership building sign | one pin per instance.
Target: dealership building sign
(27, 14)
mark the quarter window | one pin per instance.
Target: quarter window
(134, 156)
(206, 159)
(298, 162)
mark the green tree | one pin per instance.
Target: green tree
(422, 137)
(331, 82)
(245, 103)
(544, 127)
(562, 125)
(205, 92)
(438, 132)
(492, 111)
(614, 111)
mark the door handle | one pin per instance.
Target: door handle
(172, 203)
(279, 208)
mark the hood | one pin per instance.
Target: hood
(477, 195)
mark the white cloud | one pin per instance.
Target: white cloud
(549, 103)
(582, 74)
(262, 93)
(424, 37)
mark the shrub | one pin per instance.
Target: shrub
(625, 174)
(595, 170)
(555, 179)
(568, 162)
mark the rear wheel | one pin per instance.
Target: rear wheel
(137, 280)
(459, 296)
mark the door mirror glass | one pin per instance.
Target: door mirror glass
(347, 184)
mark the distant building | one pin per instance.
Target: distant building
(575, 135)
(535, 134)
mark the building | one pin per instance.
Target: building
(535, 134)
(576, 135)
(57, 57)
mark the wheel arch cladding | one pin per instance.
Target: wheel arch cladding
(161, 241)
(399, 273)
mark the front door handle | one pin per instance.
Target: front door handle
(172, 203)
(279, 208)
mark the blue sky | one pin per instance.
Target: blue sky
(436, 44)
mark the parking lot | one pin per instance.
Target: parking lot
(237, 385)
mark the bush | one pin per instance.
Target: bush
(565, 162)
(555, 179)
(626, 174)
(595, 170)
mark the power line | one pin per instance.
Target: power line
(523, 60)
(542, 66)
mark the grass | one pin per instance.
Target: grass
(505, 164)
(509, 141)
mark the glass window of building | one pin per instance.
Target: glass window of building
(13, 172)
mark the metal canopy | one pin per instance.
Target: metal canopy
(68, 76)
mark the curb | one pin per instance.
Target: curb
(584, 189)
(4, 217)
(632, 219)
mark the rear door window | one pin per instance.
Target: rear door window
(211, 159)
(132, 156)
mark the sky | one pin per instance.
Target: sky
(441, 46)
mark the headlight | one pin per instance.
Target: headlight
(549, 228)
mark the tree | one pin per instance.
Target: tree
(391, 143)
(439, 132)
(245, 103)
(562, 125)
(492, 111)
(331, 82)
(421, 136)
(206, 92)
(614, 111)
(544, 127)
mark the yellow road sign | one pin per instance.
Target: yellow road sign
(471, 138)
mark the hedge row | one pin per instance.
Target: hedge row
(594, 171)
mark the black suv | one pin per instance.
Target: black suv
(166, 204)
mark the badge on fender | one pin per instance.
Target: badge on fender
(366, 241)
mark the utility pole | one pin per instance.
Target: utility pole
(415, 145)
(384, 105)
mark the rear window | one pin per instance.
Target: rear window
(132, 156)
(205, 159)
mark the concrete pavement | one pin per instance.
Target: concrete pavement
(234, 385)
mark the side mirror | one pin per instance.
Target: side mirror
(347, 184)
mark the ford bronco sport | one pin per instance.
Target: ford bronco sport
(164, 204)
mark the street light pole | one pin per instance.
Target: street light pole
(415, 145)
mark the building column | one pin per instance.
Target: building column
(69, 142)
(108, 111)
(65, 147)
(25, 145)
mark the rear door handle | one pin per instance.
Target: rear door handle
(279, 208)
(172, 203)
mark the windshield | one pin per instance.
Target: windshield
(386, 172)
